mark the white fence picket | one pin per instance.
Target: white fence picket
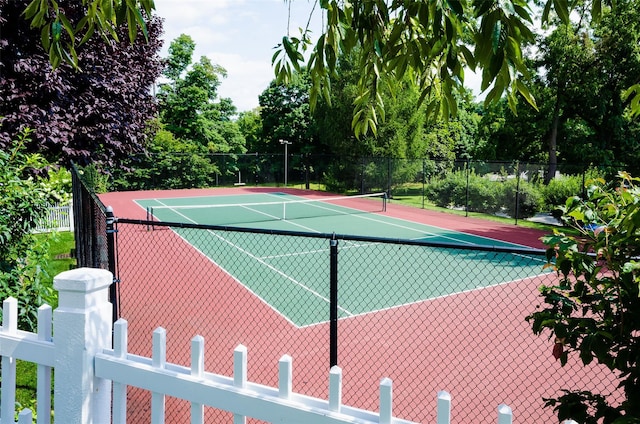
(505, 415)
(8, 393)
(444, 408)
(285, 377)
(240, 376)
(197, 371)
(159, 361)
(25, 416)
(43, 394)
(335, 388)
(120, 340)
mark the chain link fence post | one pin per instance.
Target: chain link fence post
(111, 252)
(333, 299)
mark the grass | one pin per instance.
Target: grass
(61, 246)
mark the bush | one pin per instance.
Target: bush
(484, 195)
(528, 202)
(449, 191)
(560, 189)
(24, 198)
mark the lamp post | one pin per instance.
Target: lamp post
(286, 168)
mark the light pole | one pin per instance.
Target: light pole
(286, 168)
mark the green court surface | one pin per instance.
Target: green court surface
(292, 273)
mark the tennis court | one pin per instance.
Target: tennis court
(433, 313)
(305, 279)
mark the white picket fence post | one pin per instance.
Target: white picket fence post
(82, 328)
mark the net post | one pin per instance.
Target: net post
(150, 226)
(385, 196)
(333, 302)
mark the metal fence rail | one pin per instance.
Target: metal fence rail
(94, 232)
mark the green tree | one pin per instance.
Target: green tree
(617, 49)
(285, 114)
(594, 310)
(250, 125)
(455, 138)
(505, 136)
(169, 163)
(580, 71)
(429, 38)
(60, 34)
(189, 104)
(432, 38)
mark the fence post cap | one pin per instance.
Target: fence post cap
(83, 280)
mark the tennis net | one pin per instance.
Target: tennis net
(239, 213)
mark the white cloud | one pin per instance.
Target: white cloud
(238, 35)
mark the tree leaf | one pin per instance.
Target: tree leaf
(44, 37)
(562, 9)
(524, 91)
(596, 10)
(32, 9)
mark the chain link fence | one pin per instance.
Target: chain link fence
(431, 316)
(513, 189)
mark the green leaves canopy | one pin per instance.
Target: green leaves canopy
(23, 201)
(437, 40)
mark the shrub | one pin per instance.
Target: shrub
(449, 191)
(483, 196)
(528, 202)
(560, 189)
(24, 197)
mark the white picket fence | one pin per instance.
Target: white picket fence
(58, 218)
(93, 373)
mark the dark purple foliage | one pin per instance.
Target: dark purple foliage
(97, 114)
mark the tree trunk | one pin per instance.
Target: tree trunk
(552, 144)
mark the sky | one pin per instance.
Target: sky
(239, 35)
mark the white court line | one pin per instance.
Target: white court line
(286, 255)
(274, 217)
(252, 256)
(429, 299)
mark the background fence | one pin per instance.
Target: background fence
(515, 189)
(59, 217)
(475, 341)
